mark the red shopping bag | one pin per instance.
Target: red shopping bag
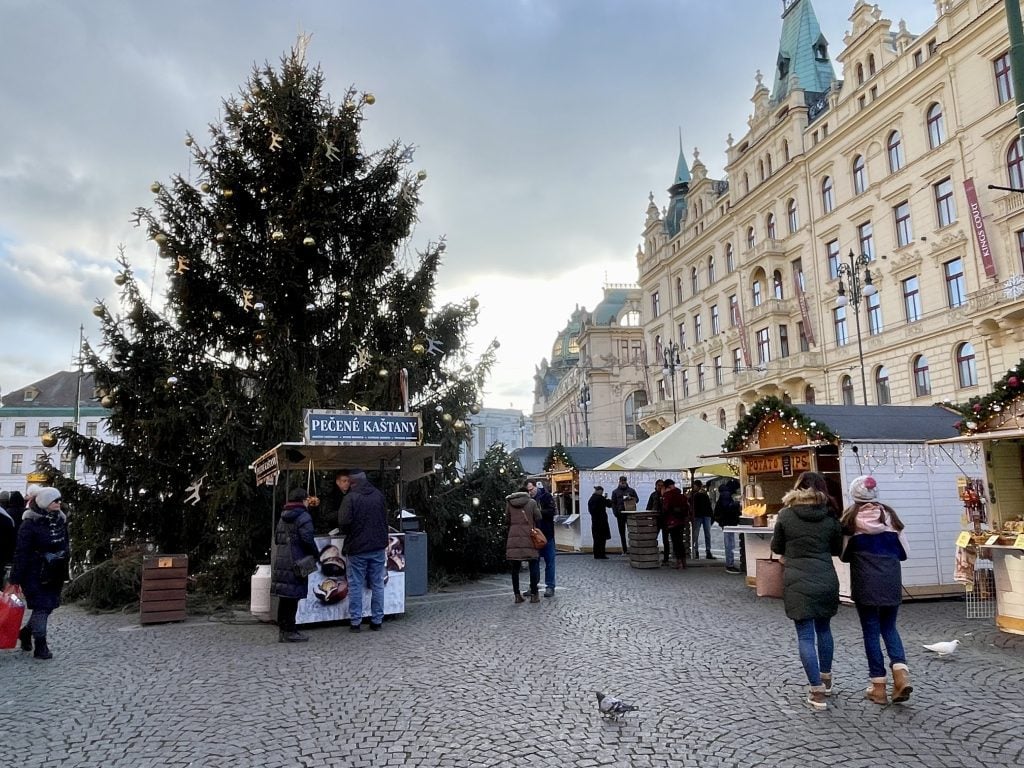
(12, 609)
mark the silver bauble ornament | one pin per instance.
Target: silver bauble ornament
(308, 241)
(421, 175)
(329, 189)
(457, 480)
(474, 408)
(188, 141)
(221, 237)
(474, 303)
(310, 307)
(120, 279)
(383, 373)
(438, 408)
(476, 502)
(277, 234)
(465, 521)
(155, 187)
(346, 294)
(172, 380)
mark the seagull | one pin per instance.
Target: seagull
(944, 649)
(613, 707)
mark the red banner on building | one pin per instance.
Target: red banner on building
(978, 225)
(737, 318)
(805, 313)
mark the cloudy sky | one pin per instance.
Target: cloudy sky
(543, 126)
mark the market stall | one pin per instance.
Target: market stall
(777, 441)
(387, 443)
(989, 557)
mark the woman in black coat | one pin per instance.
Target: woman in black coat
(597, 506)
(41, 566)
(293, 540)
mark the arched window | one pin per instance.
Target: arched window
(791, 216)
(785, 150)
(659, 352)
(769, 225)
(768, 160)
(860, 175)
(760, 170)
(1015, 164)
(694, 282)
(755, 293)
(631, 319)
(871, 65)
(922, 379)
(882, 385)
(751, 238)
(936, 126)
(786, 398)
(679, 290)
(741, 412)
(634, 402)
(777, 291)
(846, 387)
(894, 149)
(860, 74)
(746, 183)
(828, 198)
(730, 258)
(711, 270)
(721, 418)
(967, 371)
(809, 395)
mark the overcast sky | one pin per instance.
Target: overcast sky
(542, 124)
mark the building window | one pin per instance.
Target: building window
(760, 170)
(67, 465)
(860, 175)
(43, 428)
(785, 151)
(721, 418)
(809, 395)
(1020, 247)
(871, 65)
(16, 460)
(686, 384)
(711, 270)
(701, 382)
(1015, 164)
(662, 391)
(791, 216)
(904, 233)
(741, 412)
(734, 310)
(634, 403)
(694, 282)
(755, 293)
(932, 47)
(783, 341)
(866, 240)
(679, 290)
(698, 329)
(19, 429)
(945, 208)
(874, 304)
(860, 74)
(716, 325)
(882, 385)
(832, 250)
(768, 162)
(839, 322)
(936, 126)
(922, 381)
(682, 334)
(746, 183)
(894, 149)
(956, 285)
(1004, 82)
(801, 332)
(777, 291)
(846, 387)
(655, 304)
(659, 352)
(798, 273)
(730, 258)
(769, 224)
(737, 360)
(911, 299)
(764, 352)
(828, 197)
(719, 374)
(751, 238)
(965, 365)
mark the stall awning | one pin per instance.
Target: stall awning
(982, 437)
(765, 451)
(414, 461)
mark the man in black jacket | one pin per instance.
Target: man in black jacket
(620, 497)
(364, 523)
(597, 507)
(700, 503)
(727, 513)
(546, 502)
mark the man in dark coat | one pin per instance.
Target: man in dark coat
(364, 524)
(597, 506)
(330, 506)
(727, 513)
(6, 542)
(700, 507)
(546, 503)
(620, 500)
(293, 540)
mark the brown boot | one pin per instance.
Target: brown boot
(816, 698)
(901, 687)
(876, 692)
(520, 598)
(534, 597)
(826, 680)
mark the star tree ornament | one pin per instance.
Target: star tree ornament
(434, 347)
(192, 491)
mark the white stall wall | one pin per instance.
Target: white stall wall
(919, 482)
(642, 482)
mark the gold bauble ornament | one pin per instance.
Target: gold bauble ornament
(459, 425)
(329, 190)
(107, 401)
(227, 192)
(99, 310)
(474, 303)
(221, 237)
(446, 418)
(383, 373)
(204, 187)
(424, 311)
(346, 294)
(159, 238)
(418, 349)
(277, 234)
(48, 440)
(155, 187)
(120, 279)
(474, 408)
(263, 190)
(421, 175)
(308, 241)
(246, 106)
(258, 337)
(217, 314)
(369, 98)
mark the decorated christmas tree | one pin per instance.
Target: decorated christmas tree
(291, 283)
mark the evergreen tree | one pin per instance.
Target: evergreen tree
(290, 284)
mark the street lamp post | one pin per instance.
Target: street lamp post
(861, 288)
(585, 405)
(671, 363)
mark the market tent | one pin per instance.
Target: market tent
(683, 446)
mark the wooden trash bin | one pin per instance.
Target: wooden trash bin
(163, 588)
(642, 532)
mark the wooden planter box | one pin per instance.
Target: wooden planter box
(163, 588)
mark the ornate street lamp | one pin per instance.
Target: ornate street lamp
(862, 288)
(585, 406)
(671, 363)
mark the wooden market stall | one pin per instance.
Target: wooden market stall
(384, 442)
(777, 441)
(992, 499)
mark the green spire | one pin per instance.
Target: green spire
(677, 193)
(682, 169)
(803, 52)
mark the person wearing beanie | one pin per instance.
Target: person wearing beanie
(874, 549)
(41, 559)
(293, 541)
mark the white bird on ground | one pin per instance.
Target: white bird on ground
(613, 707)
(945, 648)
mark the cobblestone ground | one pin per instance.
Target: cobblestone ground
(467, 678)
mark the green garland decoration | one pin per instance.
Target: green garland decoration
(978, 410)
(558, 454)
(745, 428)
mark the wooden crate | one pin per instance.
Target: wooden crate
(164, 579)
(642, 529)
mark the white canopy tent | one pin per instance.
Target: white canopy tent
(685, 445)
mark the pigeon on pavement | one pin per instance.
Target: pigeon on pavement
(945, 648)
(613, 707)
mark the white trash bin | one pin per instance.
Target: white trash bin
(259, 586)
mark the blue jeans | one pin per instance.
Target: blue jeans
(367, 566)
(878, 623)
(814, 638)
(548, 553)
(698, 524)
(730, 547)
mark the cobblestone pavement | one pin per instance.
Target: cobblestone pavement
(467, 678)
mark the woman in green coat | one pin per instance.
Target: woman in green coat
(807, 535)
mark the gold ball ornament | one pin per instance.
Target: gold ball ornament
(263, 190)
(383, 374)
(221, 237)
(457, 480)
(48, 440)
(160, 238)
(120, 279)
(258, 337)
(107, 401)
(474, 303)
(418, 349)
(346, 294)
(308, 241)
(421, 175)
(99, 310)
(155, 187)
(446, 418)
(459, 425)
(424, 311)
(217, 314)
(277, 234)
(204, 187)
(227, 192)
(369, 98)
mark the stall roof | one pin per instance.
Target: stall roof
(415, 460)
(584, 457)
(902, 423)
(982, 437)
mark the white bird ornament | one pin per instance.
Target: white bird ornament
(947, 648)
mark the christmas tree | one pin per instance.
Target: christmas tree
(291, 284)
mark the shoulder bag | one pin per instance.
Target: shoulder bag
(537, 537)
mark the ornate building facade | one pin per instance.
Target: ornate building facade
(855, 251)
